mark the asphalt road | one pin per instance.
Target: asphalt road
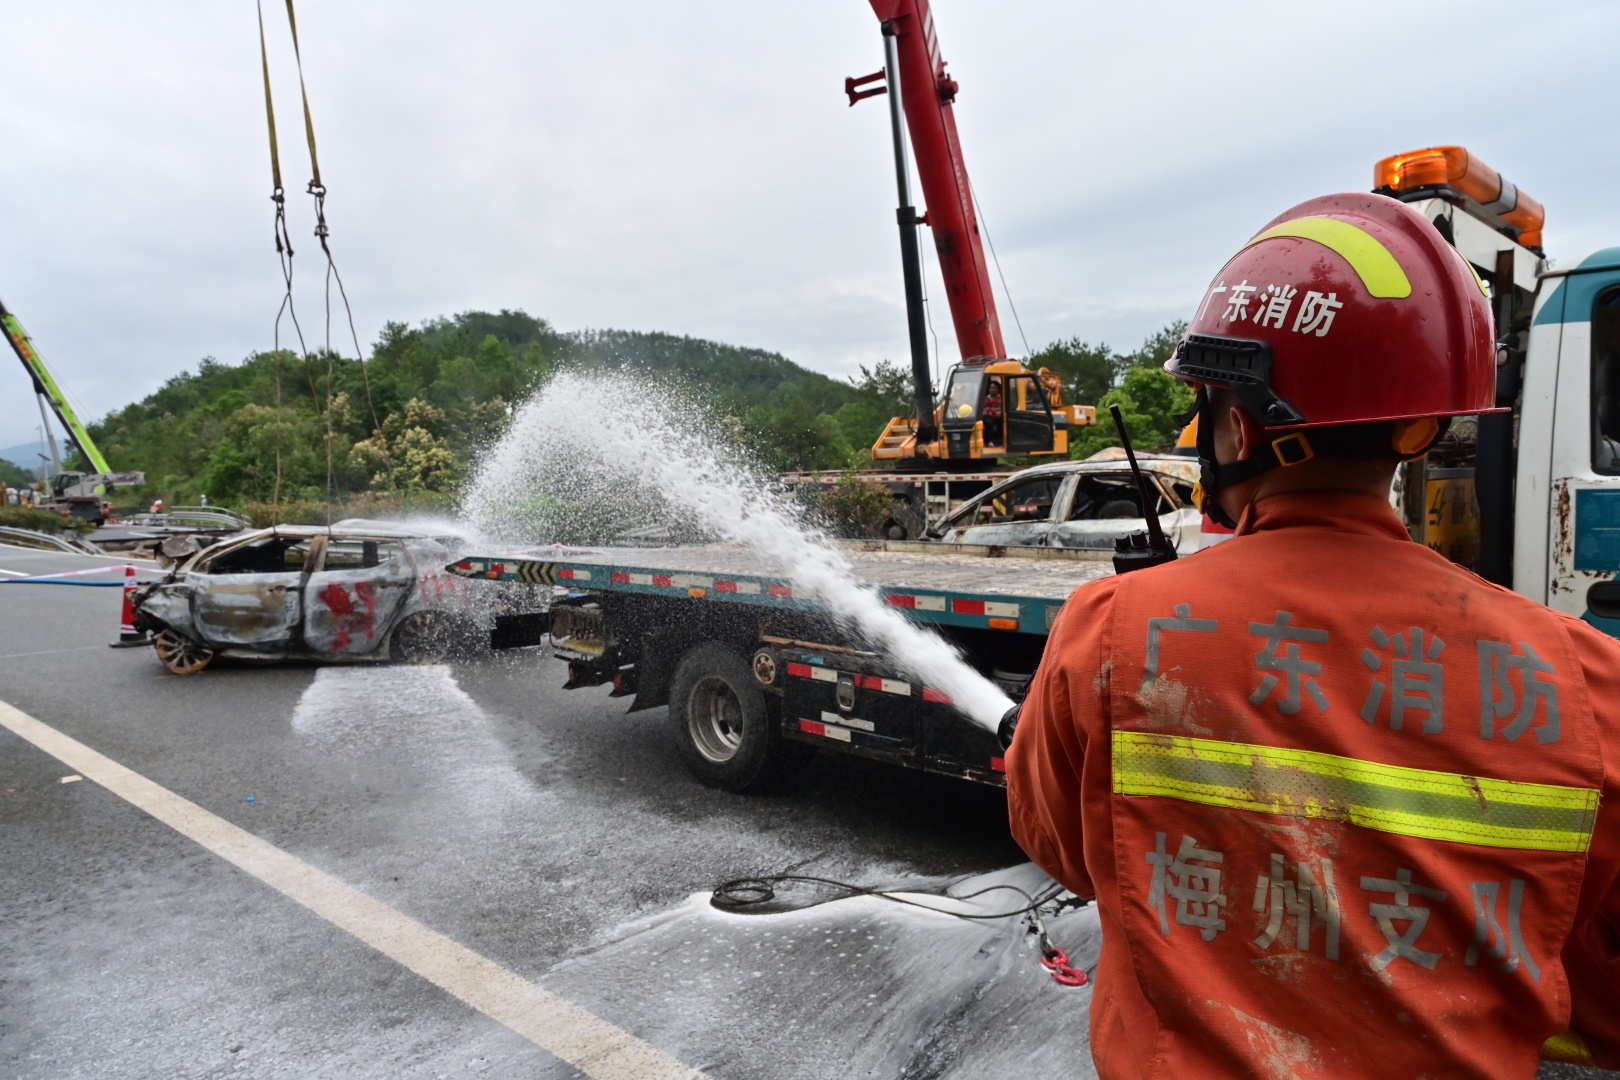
(541, 831)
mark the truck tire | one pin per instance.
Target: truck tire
(722, 720)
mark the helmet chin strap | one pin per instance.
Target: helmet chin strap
(1213, 476)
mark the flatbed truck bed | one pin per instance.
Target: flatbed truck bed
(755, 669)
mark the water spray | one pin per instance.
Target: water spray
(616, 448)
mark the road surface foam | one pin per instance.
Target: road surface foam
(593, 1046)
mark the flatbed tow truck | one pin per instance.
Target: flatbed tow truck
(754, 671)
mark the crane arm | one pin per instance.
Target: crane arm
(46, 387)
(927, 95)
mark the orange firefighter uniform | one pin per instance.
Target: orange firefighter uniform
(1340, 802)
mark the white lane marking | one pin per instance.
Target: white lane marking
(591, 1045)
(15, 573)
(52, 652)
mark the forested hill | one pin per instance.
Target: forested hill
(407, 425)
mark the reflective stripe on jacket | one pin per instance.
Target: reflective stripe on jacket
(1339, 802)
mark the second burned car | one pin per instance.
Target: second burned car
(1079, 504)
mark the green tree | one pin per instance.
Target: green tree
(887, 385)
(15, 476)
(1088, 371)
(1156, 348)
(1150, 398)
(408, 454)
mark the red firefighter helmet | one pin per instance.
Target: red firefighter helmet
(1347, 309)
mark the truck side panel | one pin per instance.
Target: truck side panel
(1531, 495)
(1584, 538)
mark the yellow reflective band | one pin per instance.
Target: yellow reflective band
(1389, 798)
(1569, 1048)
(1371, 260)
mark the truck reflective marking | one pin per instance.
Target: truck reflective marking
(986, 607)
(865, 682)
(834, 720)
(784, 591)
(915, 603)
(887, 686)
(841, 734)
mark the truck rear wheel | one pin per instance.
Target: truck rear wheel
(722, 720)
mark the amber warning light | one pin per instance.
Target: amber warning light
(1455, 167)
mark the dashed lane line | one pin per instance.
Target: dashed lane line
(51, 652)
(556, 1025)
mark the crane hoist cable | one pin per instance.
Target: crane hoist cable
(322, 233)
(284, 250)
(978, 209)
(284, 254)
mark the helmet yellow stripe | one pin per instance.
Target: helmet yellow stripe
(1371, 260)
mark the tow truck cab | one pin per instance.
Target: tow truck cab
(1528, 497)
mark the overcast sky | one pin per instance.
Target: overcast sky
(693, 167)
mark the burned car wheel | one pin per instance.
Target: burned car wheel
(179, 653)
(722, 720)
(423, 637)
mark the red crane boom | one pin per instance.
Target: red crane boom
(927, 95)
(992, 407)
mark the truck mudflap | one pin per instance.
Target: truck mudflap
(850, 701)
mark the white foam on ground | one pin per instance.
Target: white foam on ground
(858, 987)
(380, 716)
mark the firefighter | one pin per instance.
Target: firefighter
(1337, 798)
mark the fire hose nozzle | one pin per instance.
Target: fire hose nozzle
(1008, 726)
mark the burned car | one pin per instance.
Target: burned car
(1079, 504)
(354, 591)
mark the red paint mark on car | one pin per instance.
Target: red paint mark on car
(349, 617)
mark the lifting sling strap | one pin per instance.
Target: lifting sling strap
(284, 251)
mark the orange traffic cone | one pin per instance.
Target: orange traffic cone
(128, 637)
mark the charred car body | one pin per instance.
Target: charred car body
(1079, 505)
(355, 591)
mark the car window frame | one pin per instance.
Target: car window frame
(1158, 479)
(963, 517)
